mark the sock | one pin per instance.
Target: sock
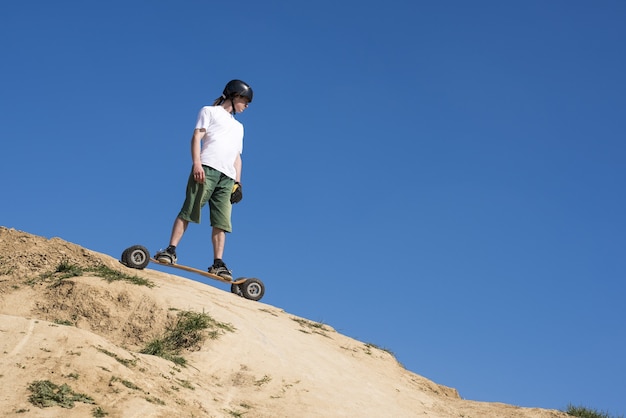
(218, 262)
(171, 249)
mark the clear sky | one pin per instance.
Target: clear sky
(444, 179)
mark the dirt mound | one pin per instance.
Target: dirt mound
(25, 255)
(34, 274)
(76, 321)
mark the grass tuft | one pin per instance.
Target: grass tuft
(187, 332)
(46, 394)
(111, 275)
(66, 270)
(125, 362)
(584, 412)
(386, 350)
(98, 412)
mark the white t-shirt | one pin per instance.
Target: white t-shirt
(223, 141)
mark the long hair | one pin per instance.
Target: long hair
(219, 100)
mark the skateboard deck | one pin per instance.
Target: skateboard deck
(201, 272)
(138, 257)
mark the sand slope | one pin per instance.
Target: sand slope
(87, 332)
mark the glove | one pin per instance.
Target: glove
(237, 194)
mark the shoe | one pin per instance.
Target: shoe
(222, 271)
(166, 256)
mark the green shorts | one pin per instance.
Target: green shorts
(215, 190)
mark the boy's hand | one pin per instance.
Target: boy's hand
(198, 173)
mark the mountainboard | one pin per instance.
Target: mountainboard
(138, 257)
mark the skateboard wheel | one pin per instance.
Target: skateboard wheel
(136, 257)
(234, 288)
(123, 257)
(252, 289)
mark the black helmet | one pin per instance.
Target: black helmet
(237, 88)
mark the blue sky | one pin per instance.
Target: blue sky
(441, 179)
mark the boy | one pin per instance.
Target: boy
(215, 178)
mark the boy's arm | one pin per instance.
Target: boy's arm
(238, 165)
(198, 171)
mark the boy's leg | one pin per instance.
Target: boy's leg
(195, 198)
(218, 238)
(169, 254)
(178, 230)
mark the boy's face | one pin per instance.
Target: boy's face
(241, 103)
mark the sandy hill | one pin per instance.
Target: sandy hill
(72, 336)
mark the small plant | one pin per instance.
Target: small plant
(130, 385)
(154, 400)
(65, 270)
(268, 311)
(188, 332)
(98, 412)
(310, 324)
(265, 379)
(583, 412)
(371, 345)
(159, 347)
(68, 270)
(46, 394)
(127, 383)
(185, 383)
(314, 327)
(125, 362)
(111, 275)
